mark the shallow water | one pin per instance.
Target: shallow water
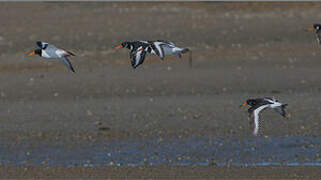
(204, 151)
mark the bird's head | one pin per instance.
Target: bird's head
(37, 51)
(315, 27)
(124, 44)
(42, 45)
(250, 102)
(247, 102)
(244, 104)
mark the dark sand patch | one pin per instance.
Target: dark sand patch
(164, 172)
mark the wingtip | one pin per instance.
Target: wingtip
(72, 54)
(185, 50)
(72, 69)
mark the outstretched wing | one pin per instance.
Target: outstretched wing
(167, 42)
(145, 42)
(67, 62)
(68, 53)
(159, 50)
(254, 114)
(137, 57)
(318, 34)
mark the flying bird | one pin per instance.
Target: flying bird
(164, 48)
(138, 50)
(259, 104)
(50, 51)
(317, 28)
(160, 48)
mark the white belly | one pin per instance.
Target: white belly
(44, 54)
(168, 51)
(172, 50)
(60, 53)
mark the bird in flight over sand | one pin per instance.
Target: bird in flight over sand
(49, 51)
(138, 50)
(317, 28)
(259, 104)
(160, 48)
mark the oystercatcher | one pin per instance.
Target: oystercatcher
(259, 104)
(317, 28)
(138, 50)
(161, 48)
(164, 48)
(52, 52)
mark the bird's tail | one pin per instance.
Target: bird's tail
(284, 112)
(185, 50)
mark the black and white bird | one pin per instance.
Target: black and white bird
(317, 28)
(138, 50)
(259, 104)
(52, 52)
(160, 48)
(164, 48)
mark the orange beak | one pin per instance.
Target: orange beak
(244, 104)
(32, 53)
(118, 47)
(311, 29)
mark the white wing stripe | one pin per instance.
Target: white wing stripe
(138, 57)
(256, 117)
(159, 48)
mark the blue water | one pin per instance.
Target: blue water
(203, 151)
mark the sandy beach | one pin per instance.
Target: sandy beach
(240, 51)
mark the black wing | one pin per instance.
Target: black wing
(68, 64)
(257, 102)
(137, 57)
(167, 42)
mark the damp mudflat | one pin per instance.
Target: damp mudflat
(197, 150)
(164, 112)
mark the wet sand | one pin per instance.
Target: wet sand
(240, 51)
(164, 172)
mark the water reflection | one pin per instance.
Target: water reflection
(204, 151)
